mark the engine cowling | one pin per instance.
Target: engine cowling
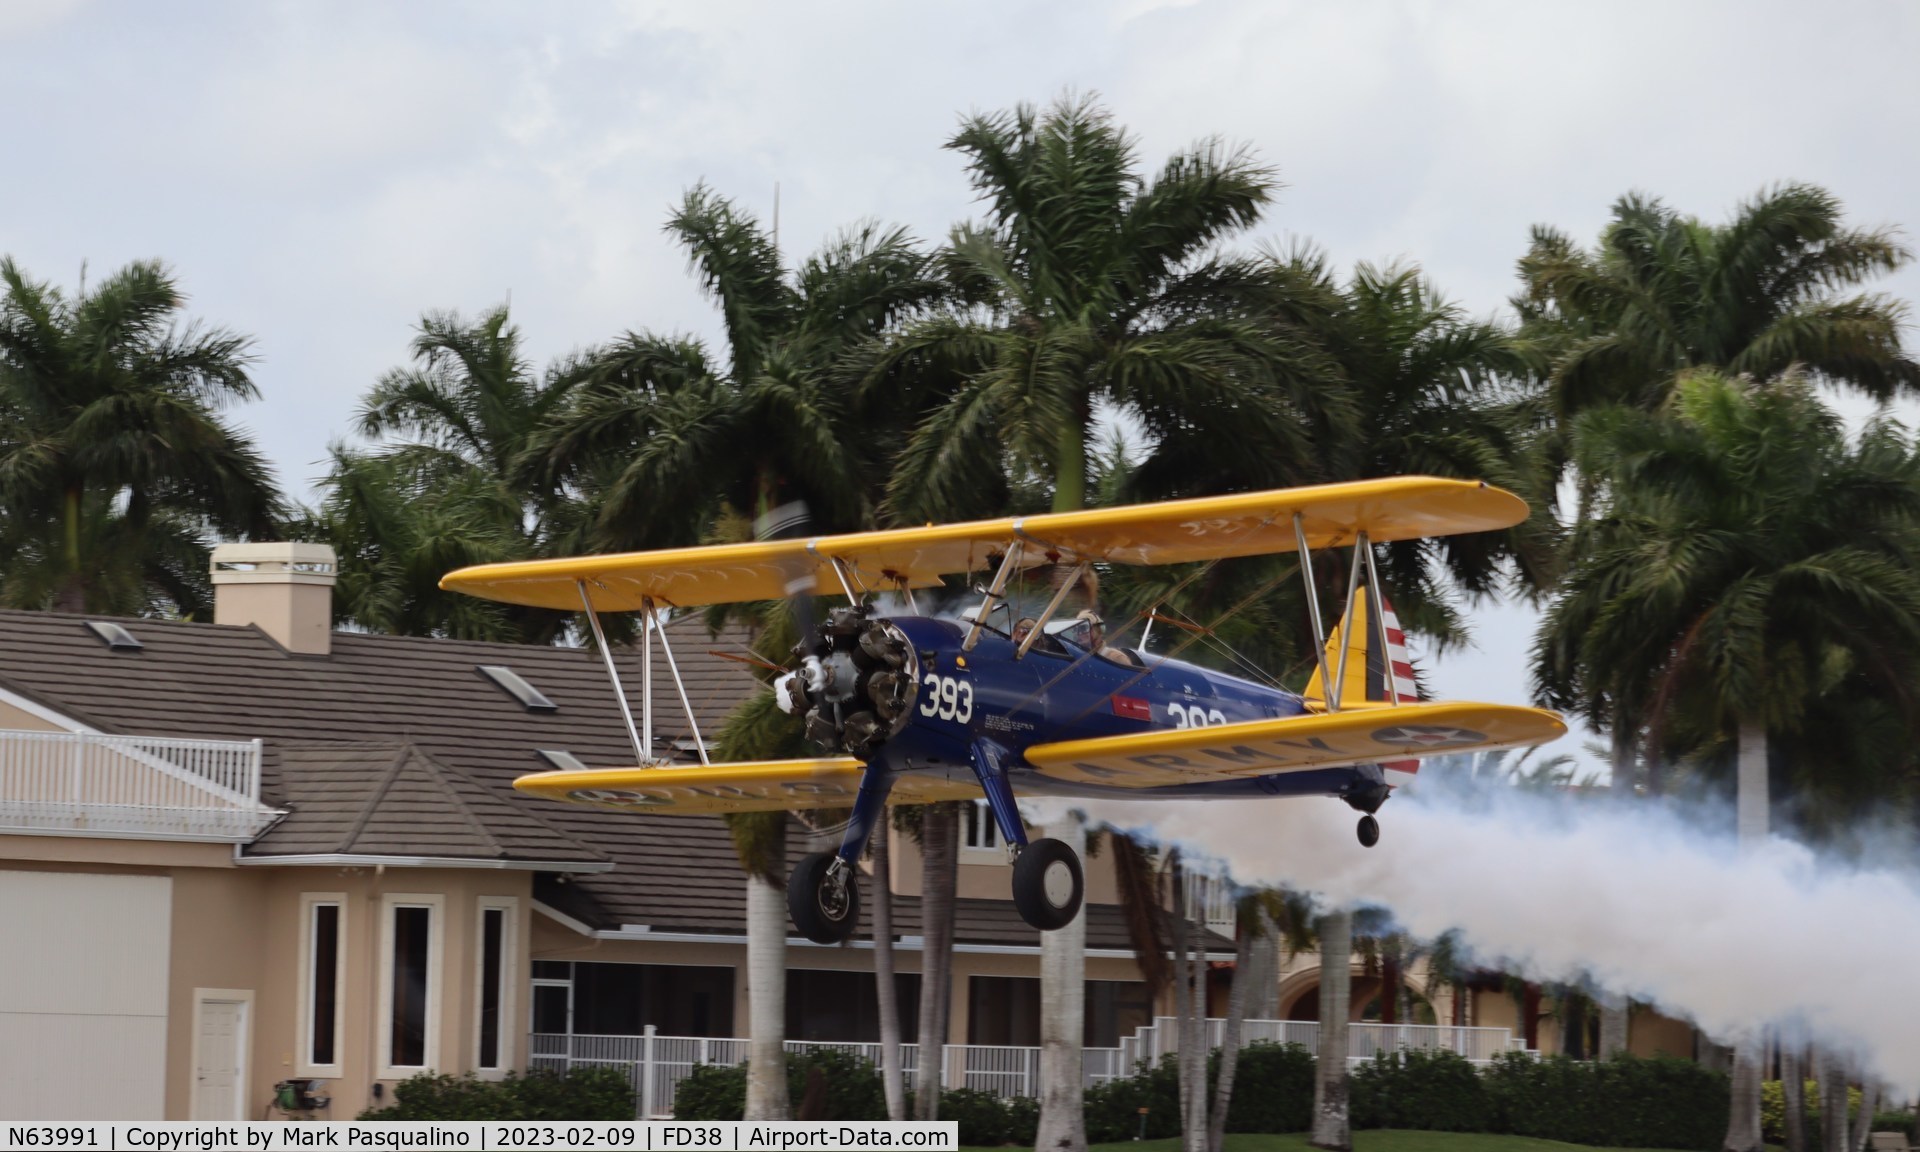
(854, 682)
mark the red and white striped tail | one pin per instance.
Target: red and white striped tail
(1371, 674)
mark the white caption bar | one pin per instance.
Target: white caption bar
(477, 1136)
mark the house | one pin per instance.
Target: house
(254, 850)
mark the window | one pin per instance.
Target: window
(978, 829)
(409, 984)
(322, 982)
(516, 686)
(843, 1006)
(594, 999)
(1005, 1010)
(495, 935)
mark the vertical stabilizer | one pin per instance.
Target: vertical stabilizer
(1370, 671)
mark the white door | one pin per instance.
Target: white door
(83, 995)
(219, 1053)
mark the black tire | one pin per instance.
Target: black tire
(1048, 884)
(822, 913)
(1369, 831)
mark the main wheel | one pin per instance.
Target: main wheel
(1047, 884)
(1369, 831)
(825, 907)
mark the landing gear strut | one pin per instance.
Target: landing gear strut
(823, 897)
(1369, 831)
(1048, 884)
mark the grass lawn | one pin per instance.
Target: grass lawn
(1384, 1141)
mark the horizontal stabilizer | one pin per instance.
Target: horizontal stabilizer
(757, 786)
(1363, 735)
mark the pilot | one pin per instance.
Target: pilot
(1022, 629)
(1094, 629)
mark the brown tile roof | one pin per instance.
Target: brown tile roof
(392, 799)
(334, 727)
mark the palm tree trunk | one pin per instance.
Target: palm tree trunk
(1245, 973)
(1613, 1024)
(1063, 1016)
(1869, 1102)
(1331, 1128)
(885, 990)
(766, 1000)
(1793, 1092)
(1263, 984)
(1743, 1124)
(1833, 1100)
(1070, 464)
(72, 594)
(939, 865)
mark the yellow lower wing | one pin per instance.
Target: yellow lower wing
(1293, 744)
(761, 786)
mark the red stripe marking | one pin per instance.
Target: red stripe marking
(1402, 668)
(1401, 765)
(1132, 708)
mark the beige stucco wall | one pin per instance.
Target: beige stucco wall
(21, 720)
(984, 874)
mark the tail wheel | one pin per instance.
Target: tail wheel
(1369, 831)
(1048, 884)
(824, 901)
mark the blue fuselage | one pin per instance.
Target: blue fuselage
(990, 702)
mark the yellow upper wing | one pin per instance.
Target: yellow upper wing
(1209, 528)
(1294, 743)
(755, 786)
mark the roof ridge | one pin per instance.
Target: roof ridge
(487, 793)
(441, 772)
(377, 795)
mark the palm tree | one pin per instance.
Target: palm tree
(1332, 1128)
(116, 469)
(1745, 553)
(1088, 286)
(1663, 294)
(445, 492)
(664, 435)
(887, 992)
(939, 877)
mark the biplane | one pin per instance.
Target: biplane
(912, 708)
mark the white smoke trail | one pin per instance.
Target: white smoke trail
(1638, 902)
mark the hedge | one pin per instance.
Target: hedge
(581, 1094)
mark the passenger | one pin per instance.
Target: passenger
(1022, 629)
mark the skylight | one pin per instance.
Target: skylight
(115, 637)
(562, 759)
(531, 698)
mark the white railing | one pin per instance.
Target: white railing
(86, 784)
(1210, 900)
(657, 1064)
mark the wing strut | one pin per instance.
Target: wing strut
(1334, 693)
(1379, 613)
(1072, 581)
(1313, 599)
(681, 685)
(994, 590)
(613, 674)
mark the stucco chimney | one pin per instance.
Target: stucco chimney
(284, 588)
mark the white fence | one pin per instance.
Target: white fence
(86, 784)
(656, 1064)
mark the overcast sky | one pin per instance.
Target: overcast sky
(320, 173)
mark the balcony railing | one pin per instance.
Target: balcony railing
(657, 1064)
(130, 787)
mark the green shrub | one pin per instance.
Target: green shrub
(712, 1092)
(1113, 1108)
(853, 1088)
(1439, 1091)
(1272, 1089)
(581, 1094)
(988, 1121)
(1625, 1102)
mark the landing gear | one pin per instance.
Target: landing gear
(1369, 831)
(1048, 884)
(823, 897)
